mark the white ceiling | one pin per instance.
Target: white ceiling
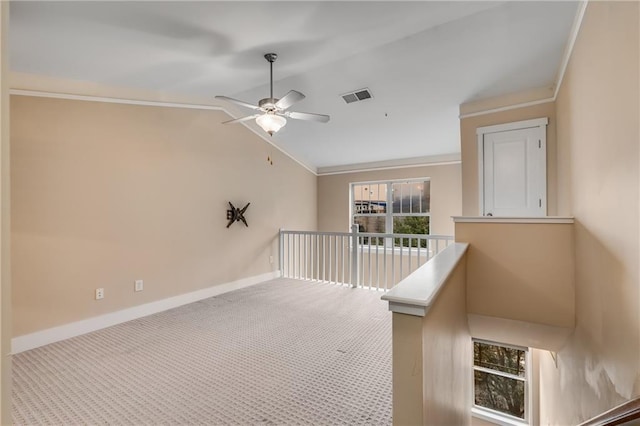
(420, 60)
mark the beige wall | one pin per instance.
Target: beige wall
(407, 371)
(5, 276)
(598, 138)
(103, 194)
(333, 195)
(432, 360)
(520, 271)
(447, 355)
(475, 421)
(469, 152)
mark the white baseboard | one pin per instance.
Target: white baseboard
(56, 334)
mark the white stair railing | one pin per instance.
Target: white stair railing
(369, 260)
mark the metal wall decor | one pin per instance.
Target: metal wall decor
(236, 215)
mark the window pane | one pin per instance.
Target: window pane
(507, 360)
(499, 393)
(398, 198)
(370, 223)
(369, 198)
(413, 197)
(425, 197)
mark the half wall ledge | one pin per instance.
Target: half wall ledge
(415, 294)
(505, 219)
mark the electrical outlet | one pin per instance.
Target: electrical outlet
(271, 259)
(99, 293)
(138, 286)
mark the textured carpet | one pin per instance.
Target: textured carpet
(281, 352)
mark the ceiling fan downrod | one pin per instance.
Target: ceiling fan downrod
(271, 57)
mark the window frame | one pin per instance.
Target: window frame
(495, 415)
(389, 215)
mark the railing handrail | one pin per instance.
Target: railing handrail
(618, 415)
(372, 235)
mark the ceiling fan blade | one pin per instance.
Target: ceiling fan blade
(289, 99)
(241, 119)
(235, 101)
(321, 118)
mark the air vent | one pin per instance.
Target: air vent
(357, 95)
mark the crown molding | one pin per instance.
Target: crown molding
(435, 160)
(573, 35)
(506, 102)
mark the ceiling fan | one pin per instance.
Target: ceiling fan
(272, 111)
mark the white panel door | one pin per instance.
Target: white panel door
(515, 176)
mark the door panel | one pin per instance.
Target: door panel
(514, 173)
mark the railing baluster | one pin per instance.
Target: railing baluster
(291, 253)
(337, 258)
(361, 258)
(334, 259)
(310, 257)
(304, 256)
(329, 257)
(401, 265)
(393, 262)
(317, 257)
(377, 264)
(386, 278)
(296, 270)
(354, 256)
(280, 242)
(342, 255)
(283, 257)
(410, 242)
(369, 259)
(324, 259)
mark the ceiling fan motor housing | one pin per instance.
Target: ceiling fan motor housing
(268, 104)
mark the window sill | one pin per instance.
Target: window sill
(496, 418)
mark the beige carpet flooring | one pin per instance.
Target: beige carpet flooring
(281, 352)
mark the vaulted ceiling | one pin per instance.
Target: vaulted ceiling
(419, 59)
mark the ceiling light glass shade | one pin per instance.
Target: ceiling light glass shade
(271, 123)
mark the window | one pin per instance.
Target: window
(401, 207)
(501, 379)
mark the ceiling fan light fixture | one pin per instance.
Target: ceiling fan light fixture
(271, 122)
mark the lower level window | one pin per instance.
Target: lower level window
(501, 379)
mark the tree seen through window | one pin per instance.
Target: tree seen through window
(500, 378)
